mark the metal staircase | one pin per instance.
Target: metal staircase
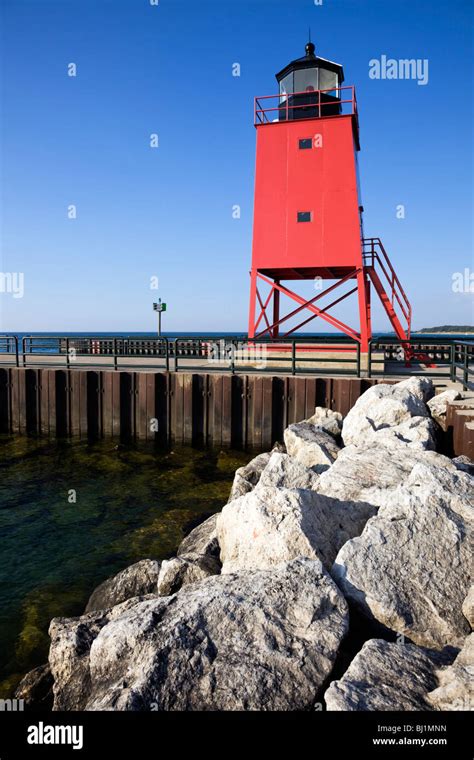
(379, 268)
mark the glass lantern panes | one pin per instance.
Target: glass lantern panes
(306, 80)
(328, 80)
(286, 87)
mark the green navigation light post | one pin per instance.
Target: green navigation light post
(160, 308)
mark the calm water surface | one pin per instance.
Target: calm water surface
(74, 513)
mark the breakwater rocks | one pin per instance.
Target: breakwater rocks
(336, 577)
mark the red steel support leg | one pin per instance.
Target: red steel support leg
(364, 311)
(276, 311)
(253, 301)
(369, 307)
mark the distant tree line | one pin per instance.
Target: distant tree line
(448, 328)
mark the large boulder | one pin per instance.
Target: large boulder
(421, 387)
(272, 525)
(201, 540)
(390, 409)
(438, 406)
(370, 473)
(263, 640)
(410, 568)
(468, 607)
(185, 569)
(385, 676)
(455, 689)
(326, 420)
(247, 477)
(71, 640)
(136, 580)
(418, 433)
(283, 471)
(310, 446)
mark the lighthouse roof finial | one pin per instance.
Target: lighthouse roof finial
(310, 48)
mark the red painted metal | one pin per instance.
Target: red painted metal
(321, 180)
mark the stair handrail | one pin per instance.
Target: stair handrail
(375, 243)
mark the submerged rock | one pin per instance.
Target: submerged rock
(438, 406)
(185, 569)
(201, 540)
(456, 682)
(410, 568)
(36, 689)
(136, 580)
(272, 525)
(310, 446)
(385, 676)
(283, 471)
(263, 640)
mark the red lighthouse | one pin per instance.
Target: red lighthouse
(307, 214)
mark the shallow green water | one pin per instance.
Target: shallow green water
(131, 502)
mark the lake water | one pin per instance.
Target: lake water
(73, 513)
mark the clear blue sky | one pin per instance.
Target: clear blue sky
(167, 212)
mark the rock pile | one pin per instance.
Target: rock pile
(361, 514)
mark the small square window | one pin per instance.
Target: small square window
(304, 216)
(306, 143)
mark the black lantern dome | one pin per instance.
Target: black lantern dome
(301, 82)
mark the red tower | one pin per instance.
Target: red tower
(307, 214)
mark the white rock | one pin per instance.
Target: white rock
(185, 569)
(421, 387)
(456, 682)
(438, 406)
(201, 540)
(385, 676)
(382, 407)
(283, 471)
(369, 473)
(135, 580)
(272, 525)
(264, 640)
(327, 420)
(468, 607)
(310, 446)
(417, 433)
(410, 568)
(247, 477)
(464, 463)
(71, 639)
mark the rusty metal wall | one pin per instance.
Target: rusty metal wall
(242, 411)
(460, 428)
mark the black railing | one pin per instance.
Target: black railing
(322, 355)
(436, 357)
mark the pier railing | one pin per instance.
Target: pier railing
(435, 357)
(317, 355)
(324, 355)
